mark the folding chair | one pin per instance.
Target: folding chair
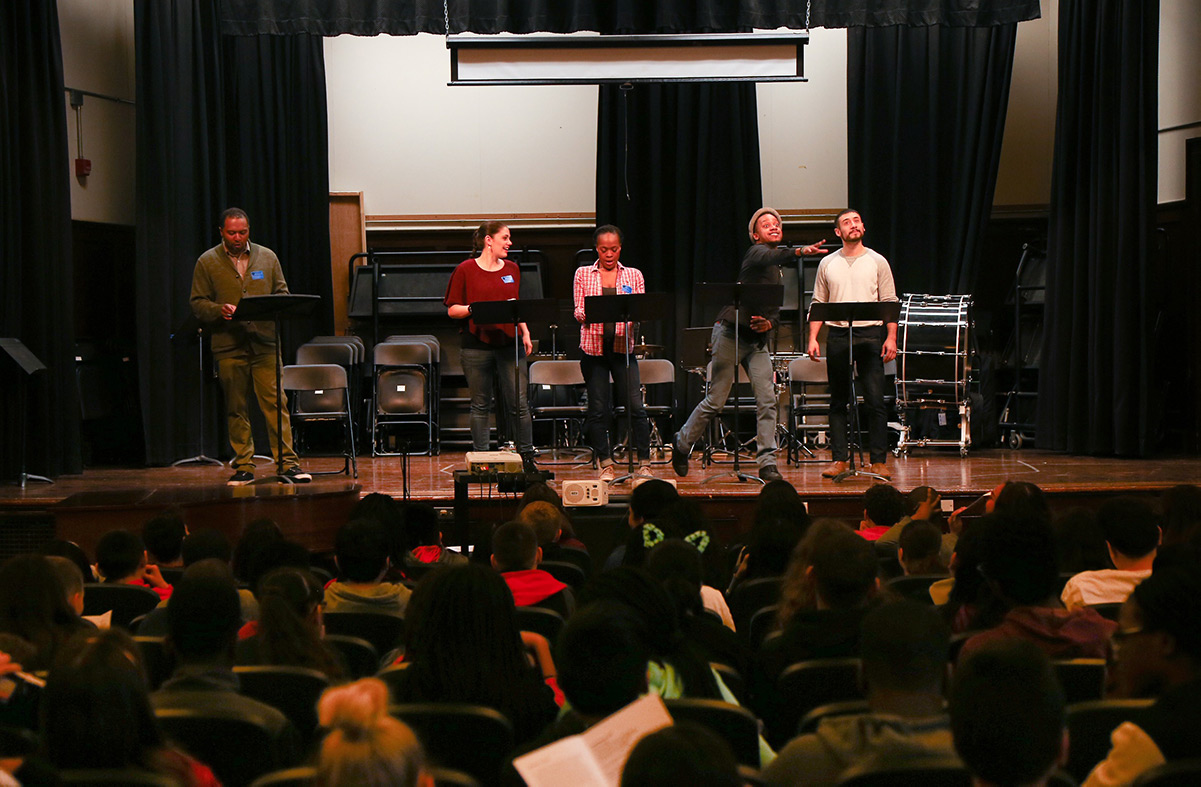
(404, 393)
(658, 378)
(554, 396)
(321, 393)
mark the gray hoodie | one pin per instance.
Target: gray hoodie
(385, 597)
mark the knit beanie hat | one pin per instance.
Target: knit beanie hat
(750, 228)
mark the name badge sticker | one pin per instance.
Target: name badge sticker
(626, 289)
(507, 279)
(257, 275)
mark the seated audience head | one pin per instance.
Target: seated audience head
(421, 525)
(1079, 542)
(205, 544)
(73, 552)
(1158, 641)
(883, 505)
(163, 535)
(1131, 531)
(277, 554)
(515, 547)
(677, 566)
(1018, 559)
(289, 626)
(1181, 507)
(649, 499)
(796, 589)
(365, 745)
(385, 510)
(546, 520)
(255, 536)
(922, 503)
(204, 614)
(33, 606)
(918, 548)
(1020, 500)
(96, 707)
(903, 645)
(70, 580)
(601, 659)
(361, 551)
(120, 555)
(780, 500)
(684, 753)
(1008, 686)
(780, 523)
(539, 491)
(683, 518)
(845, 571)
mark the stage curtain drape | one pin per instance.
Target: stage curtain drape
(36, 277)
(925, 115)
(693, 182)
(1095, 383)
(221, 121)
(406, 17)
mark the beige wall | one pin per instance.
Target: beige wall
(1179, 90)
(98, 55)
(1024, 174)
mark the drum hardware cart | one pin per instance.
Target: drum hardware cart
(1027, 297)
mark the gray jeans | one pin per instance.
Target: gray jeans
(482, 368)
(755, 358)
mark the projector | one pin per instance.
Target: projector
(585, 493)
(493, 462)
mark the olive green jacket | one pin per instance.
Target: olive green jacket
(215, 281)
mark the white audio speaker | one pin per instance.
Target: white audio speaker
(585, 493)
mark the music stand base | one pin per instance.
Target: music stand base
(272, 479)
(199, 459)
(24, 477)
(736, 475)
(854, 473)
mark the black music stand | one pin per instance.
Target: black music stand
(191, 330)
(756, 298)
(542, 311)
(277, 307)
(630, 308)
(27, 365)
(852, 312)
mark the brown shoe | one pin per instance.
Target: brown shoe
(835, 468)
(881, 469)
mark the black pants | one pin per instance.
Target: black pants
(596, 370)
(868, 343)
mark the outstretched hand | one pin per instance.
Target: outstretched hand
(815, 248)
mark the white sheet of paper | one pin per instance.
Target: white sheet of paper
(102, 621)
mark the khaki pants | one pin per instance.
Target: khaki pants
(236, 374)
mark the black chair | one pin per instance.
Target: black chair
(1083, 680)
(926, 771)
(17, 742)
(404, 394)
(126, 601)
(134, 777)
(546, 622)
(289, 777)
(384, 632)
(361, 657)
(157, 658)
(763, 622)
(806, 685)
(321, 393)
(732, 678)
(915, 587)
(1107, 611)
(471, 738)
(752, 596)
(239, 747)
(1089, 726)
(293, 691)
(394, 677)
(737, 725)
(567, 573)
(171, 575)
(554, 396)
(579, 557)
(1181, 773)
(844, 708)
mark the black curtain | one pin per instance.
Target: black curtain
(36, 276)
(692, 179)
(235, 121)
(925, 115)
(1096, 379)
(406, 17)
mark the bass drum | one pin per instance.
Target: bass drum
(932, 350)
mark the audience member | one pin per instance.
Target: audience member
(163, 535)
(1157, 650)
(921, 505)
(1181, 508)
(361, 549)
(385, 510)
(904, 651)
(516, 555)
(965, 599)
(71, 551)
(121, 559)
(70, 580)
(796, 589)
(780, 523)
(548, 522)
(1018, 563)
(203, 617)
(1007, 714)
(463, 644)
(919, 547)
(1132, 538)
(288, 631)
(541, 491)
(255, 536)
(204, 544)
(96, 713)
(1079, 542)
(647, 501)
(1020, 500)
(424, 536)
(684, 753)
(365, 745)
(883, 507)
(34, 609)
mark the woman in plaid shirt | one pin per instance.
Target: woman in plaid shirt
(604, 346)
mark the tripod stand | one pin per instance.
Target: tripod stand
(850, 312)
(635, 307)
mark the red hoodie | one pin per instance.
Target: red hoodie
(531, 586)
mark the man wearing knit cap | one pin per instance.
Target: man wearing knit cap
(760, 265)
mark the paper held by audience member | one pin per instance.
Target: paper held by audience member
(595, 757)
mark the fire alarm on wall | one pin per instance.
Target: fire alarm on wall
(83, 167)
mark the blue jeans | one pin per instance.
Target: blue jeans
(483, 369)
(596, 370)
(870, 367)
(751, 352)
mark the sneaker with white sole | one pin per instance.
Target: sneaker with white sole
(240, 478)
(608, 473)
(297, 476)
(644, 471)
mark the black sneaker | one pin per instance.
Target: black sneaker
(770, 473)
(297, 476)
(240, 478)
(679, 457)
(527, 462)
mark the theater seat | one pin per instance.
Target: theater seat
(238, 746)
(471, 738)
(737, 726)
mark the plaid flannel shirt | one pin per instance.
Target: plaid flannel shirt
(588, 283)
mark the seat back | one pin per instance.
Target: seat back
(915, 587)
(126, 601)
(471, 738)
(556, 373)
(320, 388)
(844, 708)
(763, 622)
(805, 370)
(546, 622)
(361, 657)
(926, 771)
(401, 391)
(565, 572)
(806, 685)
(345, 355)
(656, 371)
(1181, 773)
(1107, 611)
(1083, 680)
(732, 678)
(238, 747)
(402, 353)
(749, 597)
(1089, 727)
(384, 632)
(293, 691)
(736, 725)
(158, 659)
(289, 777)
